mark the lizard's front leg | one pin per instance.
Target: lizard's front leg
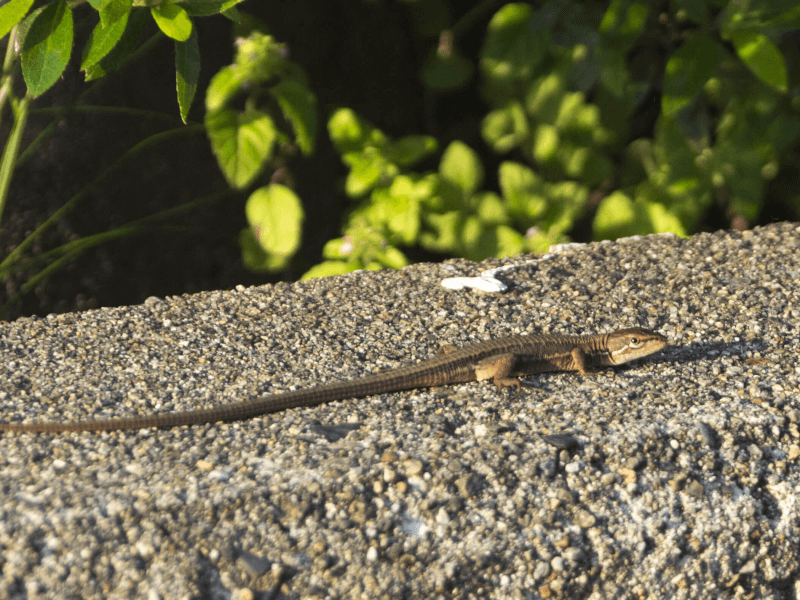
(581, 362)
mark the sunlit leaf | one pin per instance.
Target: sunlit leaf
(187, 70)
(173, 20)
(47, 47)
(242, 143)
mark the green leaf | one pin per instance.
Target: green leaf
(276, 215)
(566, 200)
(445, 235)
(187, 70)
(623, 23)
(445, 73)
(121, 51)
(403, 211)
(545, 142)
(114, 10)
(491, 209)
(509, 242)
(299, 106)
(232, 14)
(514, 47)
(410, 149)
(206, 8)
(102, 41)
(687, 71)
(47, 46)
(173, 20)
(619, 216)
(242, 143)
(12, 13)
(762, 57)
(351, 133)
(328, 268)
(366, 171)
(506, 128)
(544, 96)
(222, 87)
(523, 191)
(253, 255)
(392, 258)
(460, 165)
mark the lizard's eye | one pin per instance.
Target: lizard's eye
(634, 341)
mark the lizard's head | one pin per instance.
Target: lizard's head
(629, 344)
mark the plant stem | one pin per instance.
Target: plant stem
(9, 160)
(72, 250)
(72, 202)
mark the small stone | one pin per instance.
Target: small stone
(696, 490)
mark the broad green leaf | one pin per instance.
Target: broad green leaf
(242, 143)
(410, 149)
(232, 14)
(338, 248)
(664, 221)
(350, 133)
(260, 58)
(276, 215)
(623, 23)
(545, 142)
(12, 13)
(114, 10)
(173, 20)
(523, 191)
(299, 106)
(112, 61)
(619, 216)
(418, 188)
(509, 241)
(687, 71)
(762, 57)
(222, 87)
(401, 214)
(445, 227)
(544, 96)
(514, 47)
(253, 255)
(576, 115)
(206, 8)
(102, 41)
(47, 47)
(506, 128)
(366, 171)
(448, 72)
(328, 268)
(461, 166)
(187, 70)
(566, 200)
(392, 258)
(491, 209)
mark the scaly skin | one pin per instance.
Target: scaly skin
(497, 360)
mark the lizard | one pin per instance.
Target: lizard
(496, 359)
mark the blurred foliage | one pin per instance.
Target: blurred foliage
(625, 118)
(563, 82)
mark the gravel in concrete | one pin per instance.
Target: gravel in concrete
(676, 477)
